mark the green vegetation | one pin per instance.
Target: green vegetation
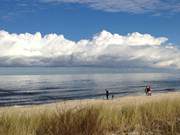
(156, 117)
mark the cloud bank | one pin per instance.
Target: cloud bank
(131, 6)
(105, 49)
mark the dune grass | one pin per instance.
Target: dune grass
(136, 116)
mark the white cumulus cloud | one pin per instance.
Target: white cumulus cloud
(134, 50)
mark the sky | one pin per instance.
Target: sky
(133, 33)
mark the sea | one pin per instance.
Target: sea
(40, 85)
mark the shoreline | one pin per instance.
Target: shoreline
(119, 101)
(102, 97)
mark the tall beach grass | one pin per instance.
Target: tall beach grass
(140, 115)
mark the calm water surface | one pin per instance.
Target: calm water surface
(20, 86)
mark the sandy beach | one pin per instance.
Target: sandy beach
(70, 104)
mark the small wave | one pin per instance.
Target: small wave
(166, 90)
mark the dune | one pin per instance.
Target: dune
(156, 114)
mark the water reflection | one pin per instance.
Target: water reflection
(34, 89)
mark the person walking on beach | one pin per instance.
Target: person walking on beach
(107, 94)
(148, 90)
(145, 90)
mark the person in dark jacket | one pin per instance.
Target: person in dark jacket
(107, 94)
